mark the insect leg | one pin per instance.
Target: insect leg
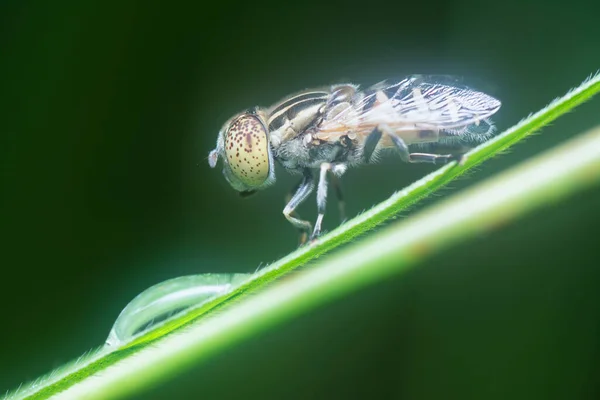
(305, 188)
(321, 199)
(337, 186)
(370, 144)
(432, 158)
(407, 156)
(336, 169)
(373, 139)
(291, 192)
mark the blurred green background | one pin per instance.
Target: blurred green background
(108, 112)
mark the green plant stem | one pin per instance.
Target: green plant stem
(544, 180)
(70, 375)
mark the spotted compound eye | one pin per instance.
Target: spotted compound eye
(246, 149)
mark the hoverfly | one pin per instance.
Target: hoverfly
(332, 128)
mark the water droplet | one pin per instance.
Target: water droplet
(166, 299)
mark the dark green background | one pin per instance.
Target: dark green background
(109, 109)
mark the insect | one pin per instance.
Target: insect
(332, 128)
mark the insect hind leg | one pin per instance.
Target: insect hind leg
(437, 159)
(371, 143)
(414, 158)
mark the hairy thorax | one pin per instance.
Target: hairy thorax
(304, 151)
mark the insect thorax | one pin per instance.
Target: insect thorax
(302, 152)
(294, 121)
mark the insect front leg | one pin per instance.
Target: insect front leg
(337, 170)
(303, 190)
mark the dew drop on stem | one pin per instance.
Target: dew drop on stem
(165, 299)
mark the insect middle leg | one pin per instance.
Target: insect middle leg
(337, 187)
(337, 170)
(303, 190)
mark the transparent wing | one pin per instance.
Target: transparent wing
(416, 103)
